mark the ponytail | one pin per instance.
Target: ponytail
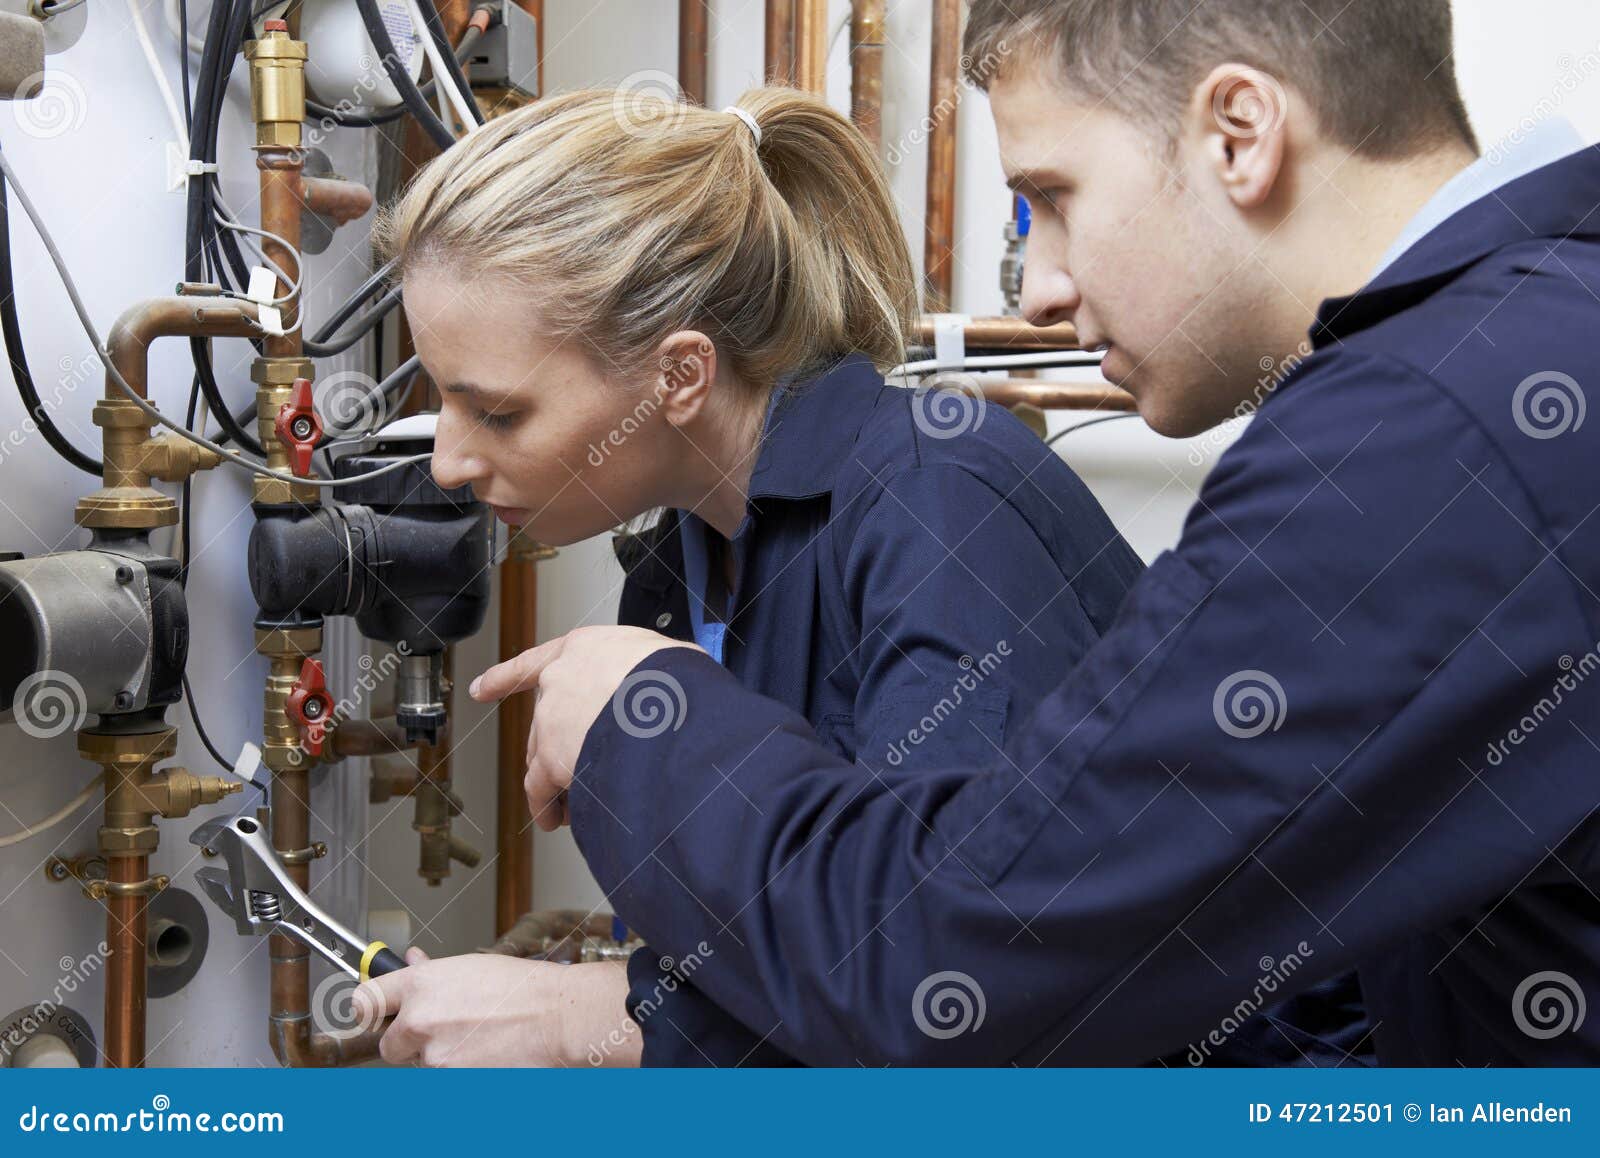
(626, 217)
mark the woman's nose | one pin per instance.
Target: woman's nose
(454, 464)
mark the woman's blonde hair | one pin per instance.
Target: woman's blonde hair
(627, 217)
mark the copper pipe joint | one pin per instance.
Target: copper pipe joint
(335, 198)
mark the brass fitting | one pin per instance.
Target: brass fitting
(284, 648)
(135, 796)
(277, 88)
(274, 378)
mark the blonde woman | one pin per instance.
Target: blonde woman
(630, 307)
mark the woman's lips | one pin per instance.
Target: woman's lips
(515, 516)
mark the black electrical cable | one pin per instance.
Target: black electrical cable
(400, 78)
(18, 357)
(1060, 434)
(362, 326)
(373, 117)
(447, 53)
(221, 45)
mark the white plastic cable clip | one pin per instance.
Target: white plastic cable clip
(950, 340)
(181, 167)
(263, 283)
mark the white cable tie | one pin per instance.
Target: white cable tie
(193, 168)
(950, 340)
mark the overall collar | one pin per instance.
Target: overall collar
(1557, 201)
(811, 430)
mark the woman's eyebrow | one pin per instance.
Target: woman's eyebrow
(471, 388)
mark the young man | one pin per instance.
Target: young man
(1351, 721)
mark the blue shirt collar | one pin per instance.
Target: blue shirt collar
(1557, 201)
(1516, 156)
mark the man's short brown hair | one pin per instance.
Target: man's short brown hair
(1379, 74)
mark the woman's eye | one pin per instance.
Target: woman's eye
(495, 420)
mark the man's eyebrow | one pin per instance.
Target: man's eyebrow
(1033, 179)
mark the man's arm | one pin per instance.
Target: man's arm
(1273, 765)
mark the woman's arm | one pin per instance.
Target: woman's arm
(483, 1009)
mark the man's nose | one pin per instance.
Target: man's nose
(1049, 295)
(454, 464)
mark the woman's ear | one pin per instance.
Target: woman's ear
(1240, 115)
(686, 374)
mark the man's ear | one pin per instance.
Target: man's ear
(1241, 117)
(686, 374)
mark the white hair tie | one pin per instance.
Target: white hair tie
(755, 129)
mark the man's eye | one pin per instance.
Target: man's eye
(495, 420)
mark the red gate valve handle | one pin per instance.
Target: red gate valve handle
(310, 706)
(298, 426)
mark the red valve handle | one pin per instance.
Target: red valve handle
(298, 426)
(310, 706)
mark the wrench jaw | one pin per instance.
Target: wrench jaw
(256, 891)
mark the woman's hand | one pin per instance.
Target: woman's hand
(483, 1009)
(576, 677)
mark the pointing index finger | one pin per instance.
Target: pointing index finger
(520, 673)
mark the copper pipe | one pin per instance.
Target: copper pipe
(940, 224)
(553, 934)
(281, 184)
(1008, 334)
(1056, 395)
(866, 68)
(367, 738)
(335, 198)
(126, 969)
(811, 46)
(780, 42)
(170, 317)
(693, 46)
(519, 618)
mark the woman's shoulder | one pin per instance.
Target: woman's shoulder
(944, 426)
